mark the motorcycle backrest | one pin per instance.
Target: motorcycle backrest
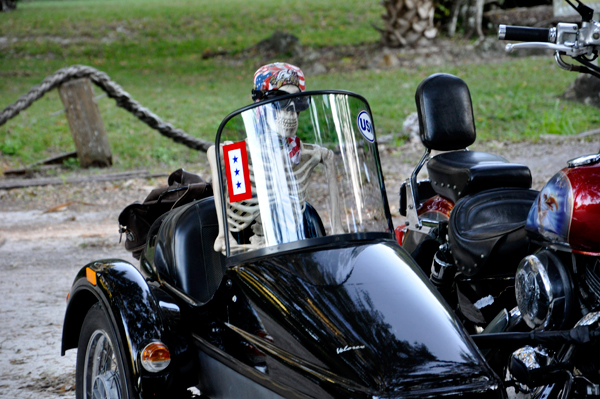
(445, 113)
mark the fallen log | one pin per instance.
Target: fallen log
(577, 136)
(54, 160)
(9, 184)
(538, 16)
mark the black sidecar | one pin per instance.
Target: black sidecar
(288, 283)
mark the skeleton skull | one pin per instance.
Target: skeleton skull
(287, 119)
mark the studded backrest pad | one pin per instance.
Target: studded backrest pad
(445, 113)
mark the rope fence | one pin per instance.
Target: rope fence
(114, 91)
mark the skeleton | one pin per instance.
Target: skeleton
(241, 215)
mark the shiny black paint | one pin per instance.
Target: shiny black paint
(141, 313)
(353, 321)
(294, 326)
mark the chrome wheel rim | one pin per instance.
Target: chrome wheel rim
(101, 378)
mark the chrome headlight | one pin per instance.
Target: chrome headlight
(543, 290)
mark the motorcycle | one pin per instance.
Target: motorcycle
(558, 287)
(287, 282)
(465, 223)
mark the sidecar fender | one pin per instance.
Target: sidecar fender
(138, 316)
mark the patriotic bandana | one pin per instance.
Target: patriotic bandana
(293, 149)
(273, 76)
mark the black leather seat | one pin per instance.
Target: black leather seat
(446, 124)
(457, 174)
(487, 230)
(184, 254)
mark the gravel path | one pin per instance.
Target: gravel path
(40, 253)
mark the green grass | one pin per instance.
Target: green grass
(153, 49)
(130, 29)
(512, 100)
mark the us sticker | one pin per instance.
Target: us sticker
(366, 126)
(236, 169)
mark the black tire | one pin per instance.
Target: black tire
(101, 371)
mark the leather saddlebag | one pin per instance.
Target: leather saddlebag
(135, 220)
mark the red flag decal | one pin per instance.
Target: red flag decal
(236, 169)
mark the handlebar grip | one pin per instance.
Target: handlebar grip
(524, 34)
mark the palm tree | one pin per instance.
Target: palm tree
(408, 22)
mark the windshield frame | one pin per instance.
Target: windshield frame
(313, 242)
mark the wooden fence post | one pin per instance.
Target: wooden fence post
(85, 123)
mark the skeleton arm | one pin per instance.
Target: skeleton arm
(216, 181)
(327, 157)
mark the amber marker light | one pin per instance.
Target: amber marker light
(156, 357)
(90, 275)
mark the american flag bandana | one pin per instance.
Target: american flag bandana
(293, 149)
(274, 76)
(237, 171)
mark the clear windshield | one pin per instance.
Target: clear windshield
(301, 168)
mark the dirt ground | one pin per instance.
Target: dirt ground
(40, 253)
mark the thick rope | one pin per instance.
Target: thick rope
(113, 90)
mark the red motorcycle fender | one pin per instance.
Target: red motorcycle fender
(437, 204)
(436, 208)
(400, 231)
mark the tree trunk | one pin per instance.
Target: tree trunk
(8, 5)
(474, 7)
(408, 23)
(454, 17)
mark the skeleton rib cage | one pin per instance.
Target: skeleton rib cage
(241, 214)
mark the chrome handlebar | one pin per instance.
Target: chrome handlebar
(580, 43)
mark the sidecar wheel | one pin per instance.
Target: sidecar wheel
(100, 373)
